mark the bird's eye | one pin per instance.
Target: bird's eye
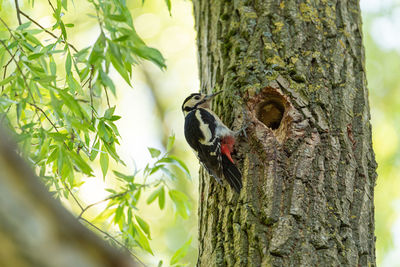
(197, 97)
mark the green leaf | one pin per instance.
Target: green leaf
(74, 86)
(128, 178)
(151, 54)
(167, 172)
(115, 118)
(63, 30)
(81, 54)
(181, 202)
(68, 63)
(120, 18)
(53, 66)
(61, 137)
(113, 153)
(153, 196)
(95, 150)
(154, 152)
(144, 225)
(97, 54)
(53, 156)
(115, 57)
(118, 214)
(103, 162)
(24, 26)
(170, 143)
(109, 112)
(160, 194)
(141, 239)
(168, 2)
(161, 198)
(129, 215)
(71, 103)
(64, 4)
(33, 40)
(80, 163)
(176, 162)
(107, 81)
(34, 56)
(180, 253)
(7, 80)
(122, 38)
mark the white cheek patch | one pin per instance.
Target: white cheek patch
(204, 129)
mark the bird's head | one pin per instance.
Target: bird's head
(197, 100)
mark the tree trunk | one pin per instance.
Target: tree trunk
(35, 230)
(294, 71)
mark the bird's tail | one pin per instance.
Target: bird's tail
(232, 174)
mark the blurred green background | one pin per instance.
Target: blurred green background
(382, 44)
(151, 111)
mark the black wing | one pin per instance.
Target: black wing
(209, 151)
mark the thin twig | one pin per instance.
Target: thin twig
(73, 196)
(18, 12)
(83, 85)
(8, 29)
(5, 68)
(91, 91)
(44, 113)
(11, 59)
(113, 239)
(5, 115)
(52, 7)
(47, 31)
(101, 201)
(108, 100)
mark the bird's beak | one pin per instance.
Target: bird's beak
(209, 97)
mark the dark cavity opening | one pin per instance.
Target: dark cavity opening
(270, 112)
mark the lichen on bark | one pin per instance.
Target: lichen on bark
(308, 184)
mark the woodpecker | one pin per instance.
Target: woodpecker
(210, 139)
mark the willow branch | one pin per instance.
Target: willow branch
(91, 90)
(18, 12)
(47, 31)
(44, 113)
(113, 239)
(102, 201)
(108, 100)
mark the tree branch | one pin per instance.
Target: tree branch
(18, 12)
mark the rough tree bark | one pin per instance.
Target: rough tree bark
(35, 230)
(296, 69)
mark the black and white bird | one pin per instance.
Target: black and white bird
(210, 139)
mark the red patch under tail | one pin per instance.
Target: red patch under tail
(227, 143)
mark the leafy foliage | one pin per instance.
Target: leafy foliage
(55, 99)
(121, 208)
